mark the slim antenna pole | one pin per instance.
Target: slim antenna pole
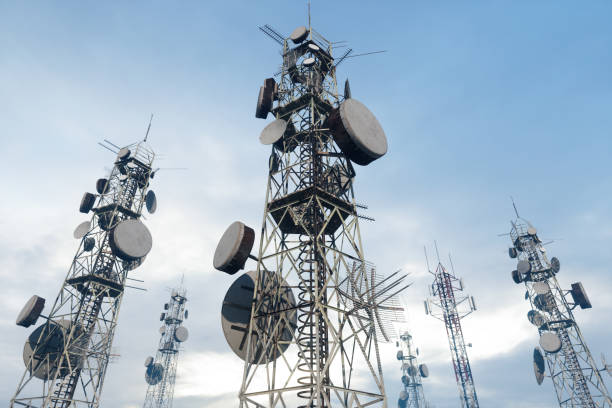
(437, 253)
(426, 258)
(451, 262)
(148, 128)
(514, 205)
(309, 24)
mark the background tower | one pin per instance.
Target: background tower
(412, 373)
(447, 304)
(70, 351)
(303, 349)
(161, 370)
(573, 371)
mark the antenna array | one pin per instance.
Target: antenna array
(573, 370)
(160, 372)
(448, 305)
(70, 351)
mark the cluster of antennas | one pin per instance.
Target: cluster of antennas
(115, 233)
(412, 373)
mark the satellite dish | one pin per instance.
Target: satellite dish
(81, 230)
(538, 365)
(424, 370)
(148, 361)
(555, 265)
(532, 231)
(542, 302)
(130, 240)
(536, 318)
(357, 132)
(299, 34)
(181, 334)
(234, 248)
(403, 395)
(541, 288)
(123, 177)
(405, 380)
(412, 371)
(31, 311)
(523, 266)
(313, 47)
(131, 265)
(273, 133)
(151, 201)
(162, 329)
(580, 297)
(87, 203)
(512, 252)
(517, 277)
(347, 89)
(400, 355)
(274, 295)
(550, 342)
(88, 244)
(309, 62)
(123, 154)
(102, 185)
(154, 374)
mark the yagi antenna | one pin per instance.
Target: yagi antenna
(366, 53)
(273, 34)
(148, 128)
(343, 57)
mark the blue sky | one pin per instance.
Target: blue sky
(480, 101)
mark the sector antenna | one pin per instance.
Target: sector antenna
(67, 355)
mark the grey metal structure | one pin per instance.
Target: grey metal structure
(574, 373)
(447, 304)
(160, 371)
(67, 356)
(306, 355)
(412, 374)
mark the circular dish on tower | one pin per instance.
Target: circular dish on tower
(234, 248)
(512, 252)
(555, 265)
(541, 288)
(517, 277)
(151, 201)
(87, 203)
(299, 34)
(424, 370)
(273, 133)
(309, 62)
(81, 230)
(523, 267)
(154, 373)
(550, 342)
(314, 47)
(400, 355)
(31, 311)
(274, 295)
(542, 302)
(123, 154)
(536, 318)
(538, 365)
(148, 361)
(181, 334)
(130, 240)
(532, 231)
(102, 186)
(88, 244)
(357, 132)
(403, 395)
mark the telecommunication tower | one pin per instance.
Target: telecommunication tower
(412, 374)
(161, 370)
(66, 357)
(447, 304)
(571, 367)
(303, 349)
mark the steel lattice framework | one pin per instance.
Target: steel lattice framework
(310, 236)
(573, 371)
(90, 297)
(411, 375)
(160, 395)
(450, 307)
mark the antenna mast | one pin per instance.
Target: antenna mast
(412, 374)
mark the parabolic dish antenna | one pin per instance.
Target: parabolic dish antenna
(405, 380)
(151, 201)
(123, 154)
(308, 62)
(532, 231)
(234, 248)
(102, 185)
(424, 370)
(357, 131)
(81, 230)
(516, 276)
(148, 361)
(412, 371)
(275, 296)
(403, 395)
(523, 267)
(131, 240)
(538, 365)
(535, 318)
(400, 355)
(89, 243)
(541, 288)
(154, 373)
(31, 311)
(542, 302)
(181, 334)
(555, 265)
(512, 252)
(87, 203)
(273, 133)
(550, 342)
(313, 47)
(299, 34)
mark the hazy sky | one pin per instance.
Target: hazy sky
(480, 101)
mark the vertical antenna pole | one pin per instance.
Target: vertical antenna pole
(309, 24)
(514, 205)
(437, 253)
(426, 258)
(451, 263)
(148, 128)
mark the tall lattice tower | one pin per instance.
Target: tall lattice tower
(161, 370)
(304, 350)
(412, 395)
(67, 356)
(447, 304)
(573, 371)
